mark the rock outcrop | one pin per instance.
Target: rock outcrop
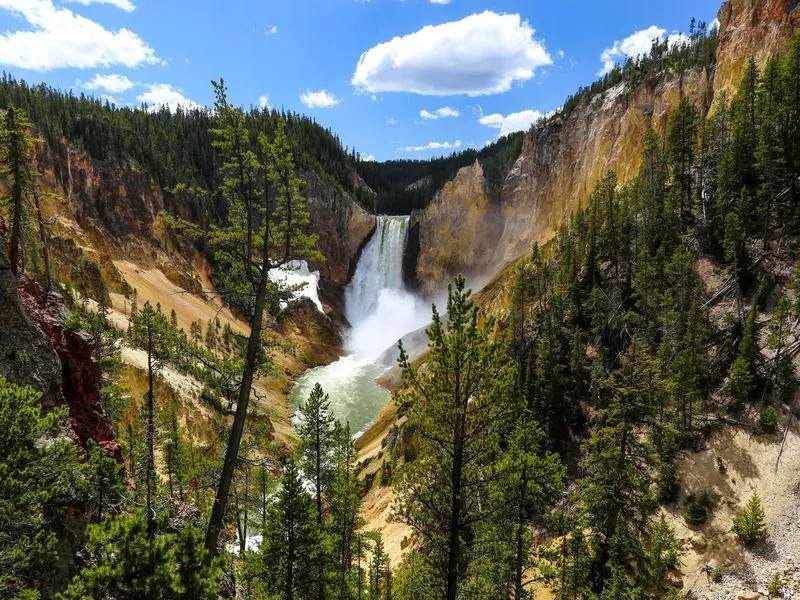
(563, 159)
(756, 28)
(37, 350)
(115, 207)
(81, 378)
(342, 226)
(26, 354)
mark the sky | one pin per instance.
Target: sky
(392, 78)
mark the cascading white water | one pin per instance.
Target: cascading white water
(378, 306)
(380, 267)
(380, 311)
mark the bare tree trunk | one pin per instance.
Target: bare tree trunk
(232, 451)
(150, 475)
(48, 274)
(16, 224)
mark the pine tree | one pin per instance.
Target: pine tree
(126, 563)
(750, 525)
(344, 500)
(456, 406)
(16, 145)
(527, 486)
(265, 231)
(615, 493)
(174, 449)
(104, 475)
(291, 543)
(38, 483)
(770, 149)
(317, 434)
(681, 141)
(151, 331)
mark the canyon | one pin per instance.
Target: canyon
(380, 274)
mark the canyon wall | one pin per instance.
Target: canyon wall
(468, 228)
(105, 210)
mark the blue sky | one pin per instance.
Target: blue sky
(458, 74)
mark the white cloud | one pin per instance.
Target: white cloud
(368, 158)
(263, 102)
(59, 38)
(433, 146)
(125, 5)
(480, 54)
(391, 121)
(714, 24)
(635, 45)
(513, 122)
(271, 30)
(440, 1)
(439, 113)
(164, 94)
(110, 83)
(320, 99)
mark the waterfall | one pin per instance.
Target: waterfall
(380, 267)
(380, 311)
(378, 306)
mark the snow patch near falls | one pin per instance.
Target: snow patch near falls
(297, 275)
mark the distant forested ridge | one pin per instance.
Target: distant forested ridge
(175, 147)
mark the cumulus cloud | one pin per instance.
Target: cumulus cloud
(263, 102)
(320, 99)
(368, 158)
(110, 83)
(271, 30)
(59, 38)
(165, 95)
(440, 1)
(433, 146)
(512, 122)
(481, 54)
(125, 5)
(439, 113)
(637, 44)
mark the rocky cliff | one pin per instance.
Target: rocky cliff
(468, 228)
(106, 210)
(36, 349)
(343, 227)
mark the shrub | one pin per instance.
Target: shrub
(769, 419)
(716, 575)
(698, 508)
(775, 587)
(750, 525)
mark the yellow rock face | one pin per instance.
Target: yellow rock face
(470, 229)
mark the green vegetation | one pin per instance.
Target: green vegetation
(769, 419)
(40, 477)
(699, 508)
(613, 352)
(749, 525)
(775, 587)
